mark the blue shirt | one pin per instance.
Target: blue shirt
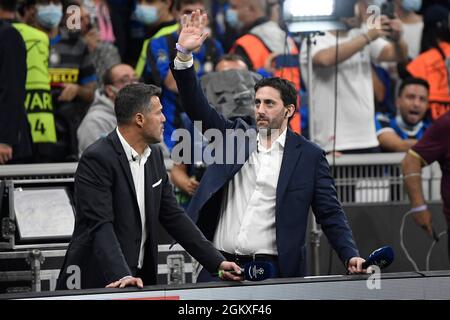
(385, 122)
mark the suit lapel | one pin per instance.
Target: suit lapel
(292, 152)
(114, 138)
(149, 180)
(246, 147)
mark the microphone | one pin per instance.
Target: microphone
(256, 271)
(381, 258)
(133, 157)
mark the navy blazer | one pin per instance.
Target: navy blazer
(304, 182)
(108, 229)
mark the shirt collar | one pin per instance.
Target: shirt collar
(408, 129)
(281, 141)
(132, 154)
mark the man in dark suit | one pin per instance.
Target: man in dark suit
(121, 191)
(258, 209)
(15, 138)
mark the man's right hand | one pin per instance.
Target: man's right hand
(380, 30)
(5, 153)
(423, 220)
(190, 186)
(192, 34)
(127, 282)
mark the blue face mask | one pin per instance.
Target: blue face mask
(49, 16)
(231, 16)
(146, 14)
(411, 5)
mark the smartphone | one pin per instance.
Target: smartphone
(388, 9)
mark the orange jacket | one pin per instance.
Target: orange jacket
(430, 66)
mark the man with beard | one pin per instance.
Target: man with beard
(255, 207)
(122, 190)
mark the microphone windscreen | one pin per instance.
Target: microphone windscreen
(258, 271)
(381, 258)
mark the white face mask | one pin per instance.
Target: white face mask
(49, 16)
(114, 89)
(411, 5)
(231, 16)
(146, 14)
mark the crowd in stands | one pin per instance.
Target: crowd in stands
(392, 79)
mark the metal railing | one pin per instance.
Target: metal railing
(377, 178)
(360, 179)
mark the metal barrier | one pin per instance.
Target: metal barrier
(376, 286)
(377, 178)
(362, 178)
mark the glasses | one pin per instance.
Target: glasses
(126, 80)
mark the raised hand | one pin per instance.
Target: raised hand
(192, 33)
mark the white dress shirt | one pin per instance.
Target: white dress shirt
(137, 167)
(247, 216)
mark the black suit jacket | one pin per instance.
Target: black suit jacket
(14, 128)
(106, 241)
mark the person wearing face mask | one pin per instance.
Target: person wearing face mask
(412, 23)
(15, 141)
(38, 101)
(72, 74)
(358, 46)
(156, 14)
(161, 52)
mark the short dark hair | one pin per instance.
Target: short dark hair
(178, 3)
(286, 88)
(107, 76)
(8, 5)
(132, 99)
(408, 81)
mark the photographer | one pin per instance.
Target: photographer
(368, 38)
(103, 54)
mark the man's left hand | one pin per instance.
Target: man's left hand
(396, 29)
(355, 265)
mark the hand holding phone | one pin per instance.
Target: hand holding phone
(388, 9)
